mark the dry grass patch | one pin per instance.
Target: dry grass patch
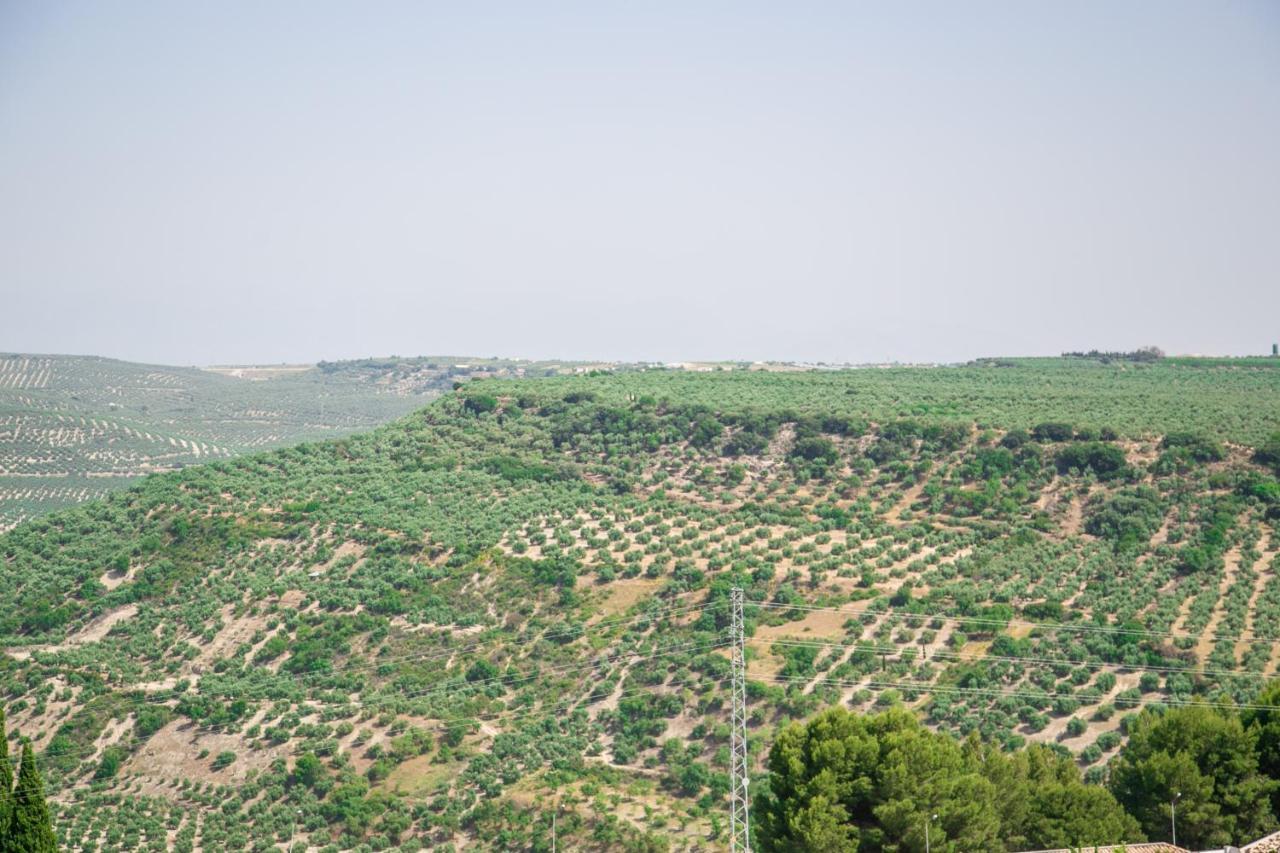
(818, 623)
(421, 777)
(621, 595)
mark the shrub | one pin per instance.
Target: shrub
(1014, 439)
(479, 404)
(1053, 431)
(482, 670)
(1195, 446)
(815, 449)
(112, 757)
(1128, 518)
(1104, 460)
(1269, 453)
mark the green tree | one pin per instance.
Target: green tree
(479, 404)
(872, 784)
(1269, 453)
(1194, 446)
(819, 779)
(1105, 460)
(1053, 431)
(1044, 803)
(1072, 813)
(308, 770)
(1264, 722)
(1207, 760)
(6, 783)
(32, 828)
(849, 782)
(1128, 518)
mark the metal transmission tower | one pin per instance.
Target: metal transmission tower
(739, 819)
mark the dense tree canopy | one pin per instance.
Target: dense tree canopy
(1205, 759)
(1264, 722)
(1104, 460)
(872, 783)
(1128, 518)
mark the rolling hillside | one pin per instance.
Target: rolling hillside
(75, 428)
(512, 601)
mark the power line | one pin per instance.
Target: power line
(258, 689)
(736, 641)
(444, 723)
(930, 687)
(665, 651)
(631, 657)
(978, 620)
(961, 656)
(7, 641)
(677, 648)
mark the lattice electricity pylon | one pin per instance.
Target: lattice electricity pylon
(739, 802)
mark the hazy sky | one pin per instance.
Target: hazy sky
(262, 182)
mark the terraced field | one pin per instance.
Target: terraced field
(513, 602)
(75, 428)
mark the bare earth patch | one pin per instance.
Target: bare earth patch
(39, 726)
(172, 753)
(1073, 522)
(1265, 575)
(99, 627)
(1208, 637)
(112, 579)
(235, 631)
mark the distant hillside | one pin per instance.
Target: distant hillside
(511, 603)
(73, 428)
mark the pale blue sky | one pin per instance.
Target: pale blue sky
(262, 182)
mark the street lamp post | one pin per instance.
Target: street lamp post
(1173, 817)
(931, 819)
